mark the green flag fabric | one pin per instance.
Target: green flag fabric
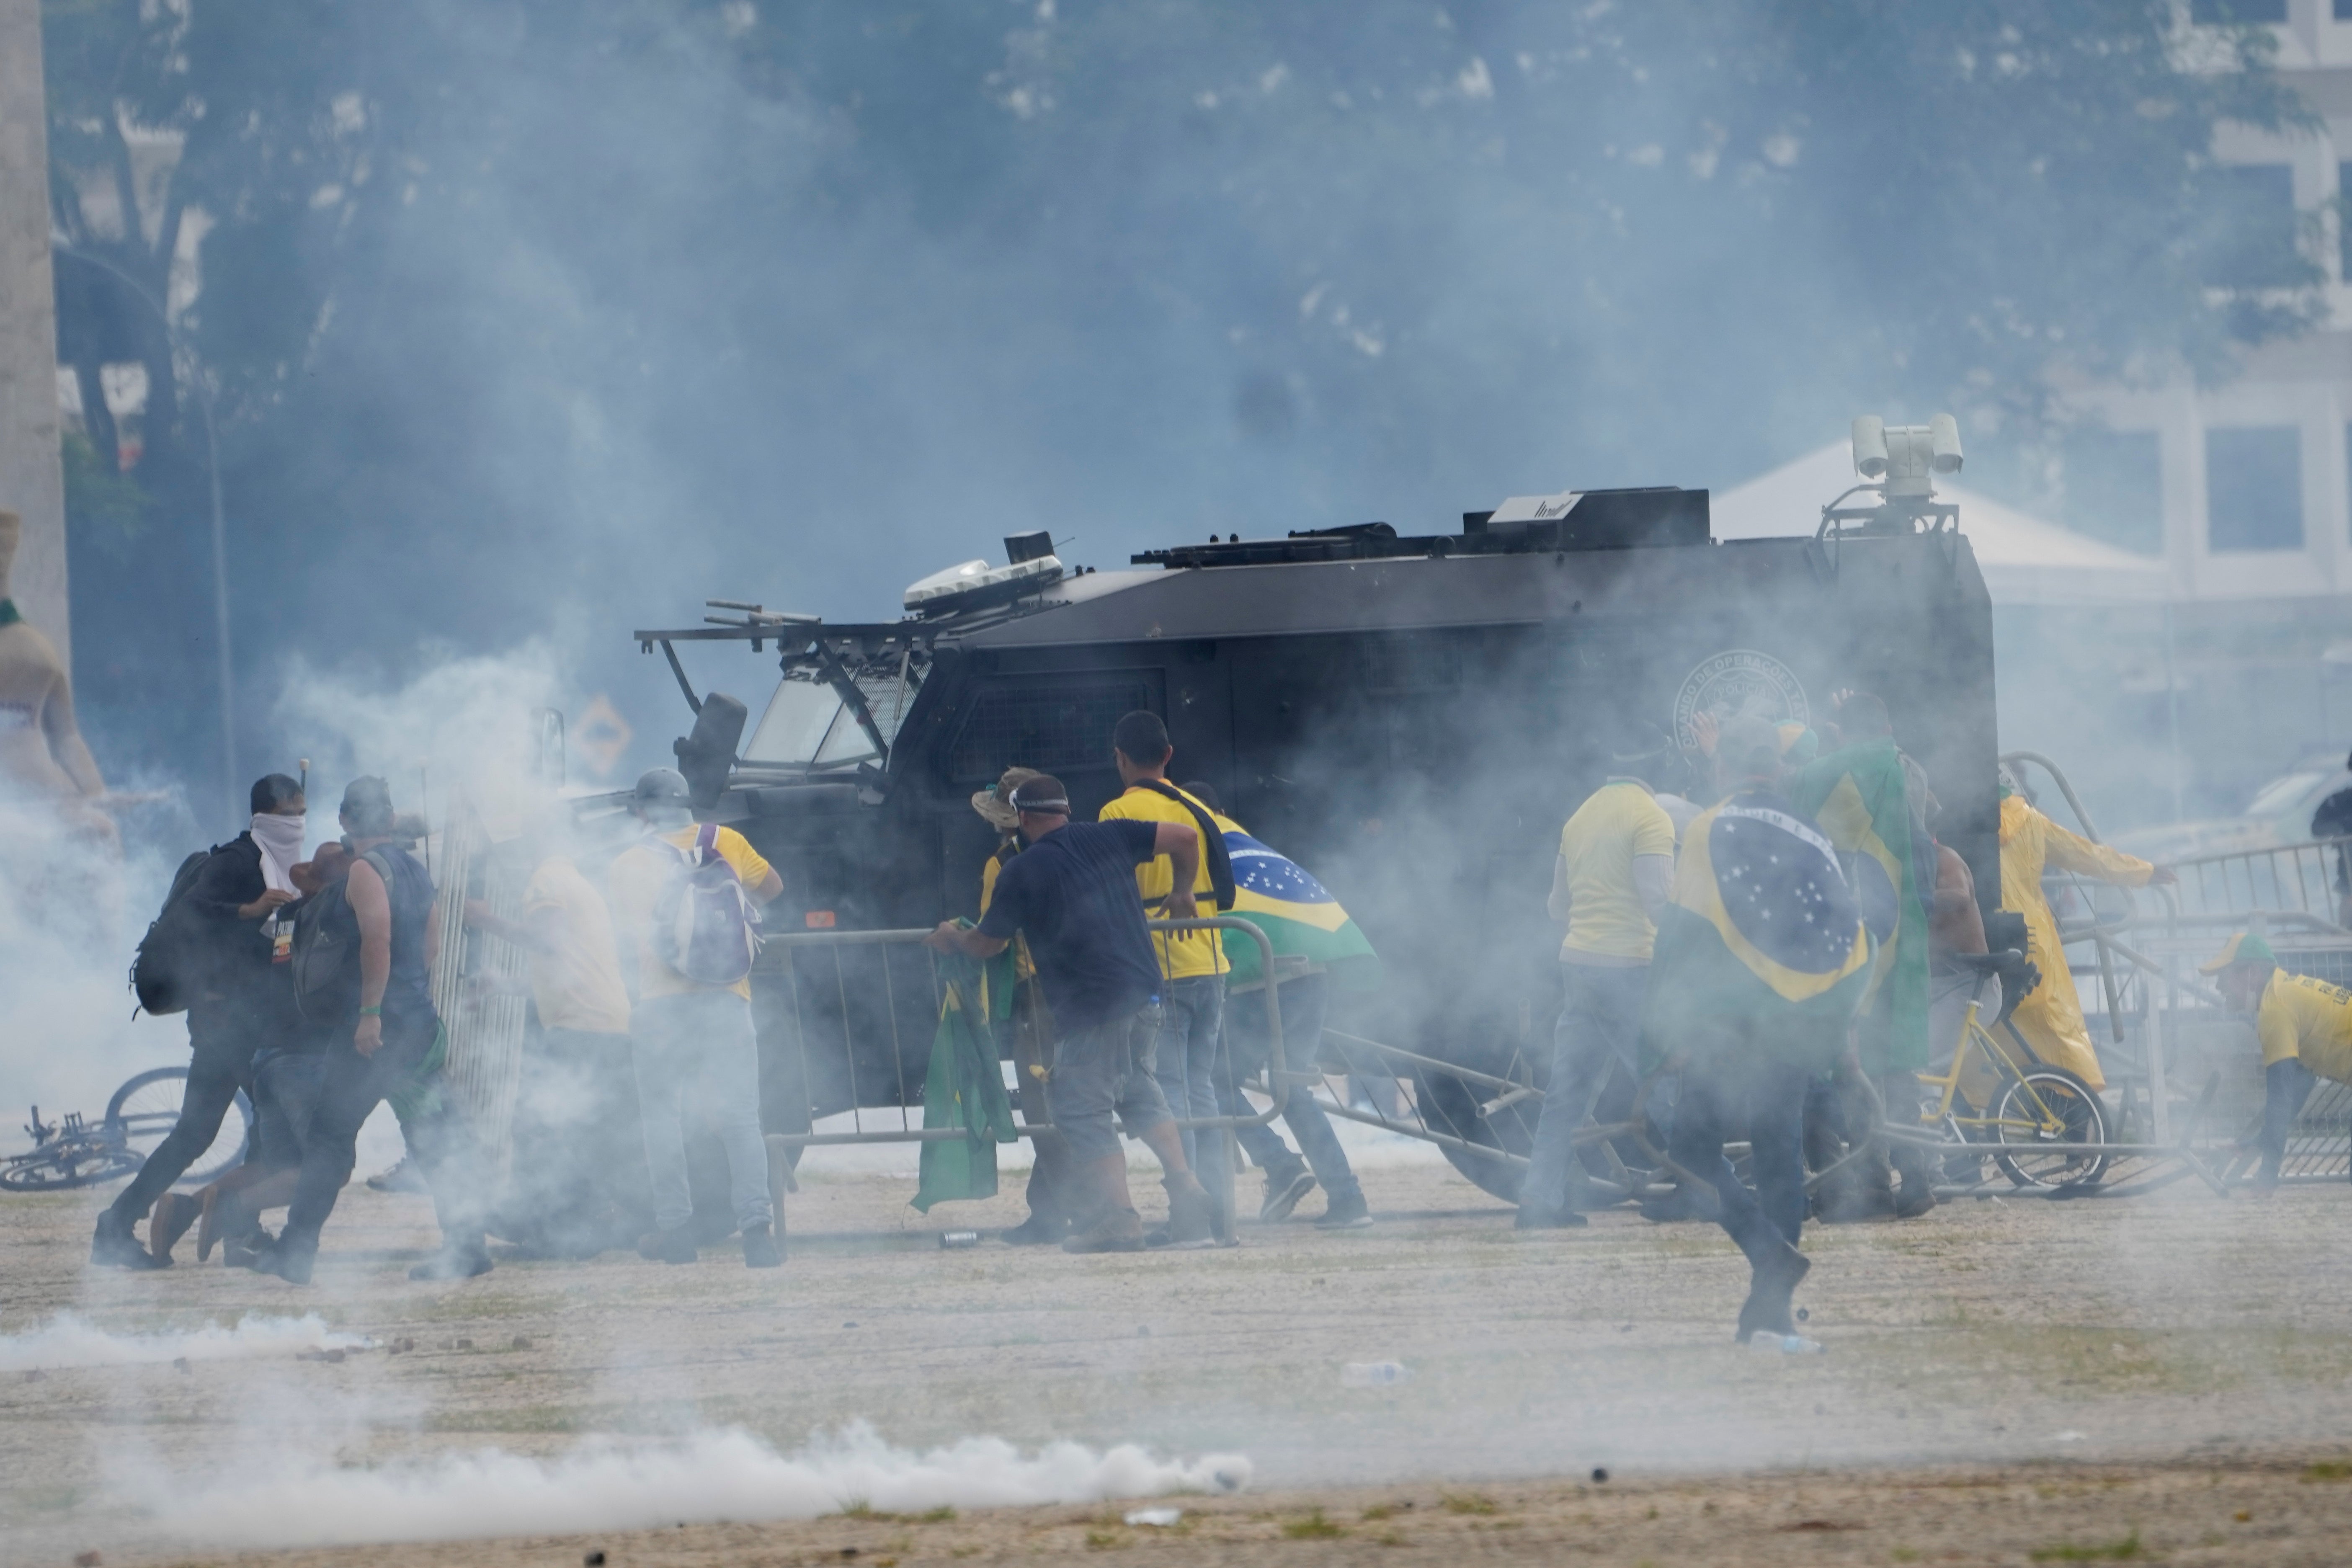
(1858, 795)
(965, 1087)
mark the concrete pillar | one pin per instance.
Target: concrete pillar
(31, 482)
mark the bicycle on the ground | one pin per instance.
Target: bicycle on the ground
(76, 1152)
(2043, 1123)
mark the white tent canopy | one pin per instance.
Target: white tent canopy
(2025, 560)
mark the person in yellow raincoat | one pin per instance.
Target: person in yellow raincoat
(2051, 1016)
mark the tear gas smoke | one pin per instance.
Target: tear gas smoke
(69, 1339)
(611, 1485)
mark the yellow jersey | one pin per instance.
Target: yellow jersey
(636, 881)
(1183, 955)
(1617, 822)
(2309, 1020)
(578, 985)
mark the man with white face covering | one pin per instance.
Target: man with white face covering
(236, 1012)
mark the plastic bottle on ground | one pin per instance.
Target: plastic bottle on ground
(1372, 1374)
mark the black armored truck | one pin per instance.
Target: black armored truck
(1410, 717)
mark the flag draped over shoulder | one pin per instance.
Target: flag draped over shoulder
(1297, 914)
(1859, 798)
(965, 1089)
(1762, 924)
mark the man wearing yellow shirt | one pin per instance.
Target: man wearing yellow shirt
(578, 1184)
(1193, 963)
(693, 1043)
(1614, 873)
(2305, 1029)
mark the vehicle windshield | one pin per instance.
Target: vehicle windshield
(2281, 793)
(807, 725)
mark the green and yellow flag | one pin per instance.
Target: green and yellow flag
(1860, 798)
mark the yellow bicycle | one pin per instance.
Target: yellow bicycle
(2045, 1124)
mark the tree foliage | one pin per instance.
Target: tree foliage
(506, 302)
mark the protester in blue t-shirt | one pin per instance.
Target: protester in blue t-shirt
(1072, 895)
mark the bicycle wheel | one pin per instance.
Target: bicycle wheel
(63, 1163)
(2049, 1105)
(148, 1105)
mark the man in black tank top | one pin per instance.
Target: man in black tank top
(384, 1053)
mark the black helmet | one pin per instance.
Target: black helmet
(664, 786)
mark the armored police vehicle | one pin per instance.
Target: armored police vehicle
(1410, 717)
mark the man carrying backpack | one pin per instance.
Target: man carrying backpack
(684, 904)
(220, 961)
(385, 1043)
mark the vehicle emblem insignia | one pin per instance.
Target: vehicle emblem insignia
(1739, 683)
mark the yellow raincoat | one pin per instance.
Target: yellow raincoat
(2051, 1016)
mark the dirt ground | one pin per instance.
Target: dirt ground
(2012, 1381)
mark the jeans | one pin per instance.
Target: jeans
(1247, 1047)
(697, 1054)
(1600, 1028)
(220, 1063)
(1722, 1092)
(578, 1183)
(2287, 1084)
(350, 1087)
(1184, 1056)
(1103, 1071)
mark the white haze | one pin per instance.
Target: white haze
(607, 1484)
(69, 1340)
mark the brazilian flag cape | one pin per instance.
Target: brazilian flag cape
(1298, 915)
(1762, 929)
(964, 1087)
(1858, 797)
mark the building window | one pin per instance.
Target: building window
(2223, 12)
(2251, 238)
(2114, 486)
(2253, 489)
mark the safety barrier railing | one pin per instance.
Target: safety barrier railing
(849, 1021)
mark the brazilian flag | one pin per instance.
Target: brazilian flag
(1763, 927)
(1860, 798)
(964, 1089)
(1297, 914)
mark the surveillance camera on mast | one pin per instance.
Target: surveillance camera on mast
(1900, 462)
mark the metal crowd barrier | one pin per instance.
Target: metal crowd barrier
(838, 1015)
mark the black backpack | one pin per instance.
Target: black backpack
(163, 969)
(325, 960)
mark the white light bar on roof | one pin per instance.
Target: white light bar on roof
(1536, 509)
(944, 590)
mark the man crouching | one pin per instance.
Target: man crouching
(1072, 894)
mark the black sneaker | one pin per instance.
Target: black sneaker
(1040, 1229)
(400, 1176)
(1770, 1292)
(1351, 1214)
(1118, 1230)
(291, 1264)
(759, 1248)
(112, 1245)
(1282, 1194)
(668, 1246)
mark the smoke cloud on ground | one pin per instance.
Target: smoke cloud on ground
(71, 1340)
(613, 1485)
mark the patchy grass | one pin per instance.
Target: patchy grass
(1467, 1502)
(2127, 1550)
(2327, 1471)
(1314, 1527)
